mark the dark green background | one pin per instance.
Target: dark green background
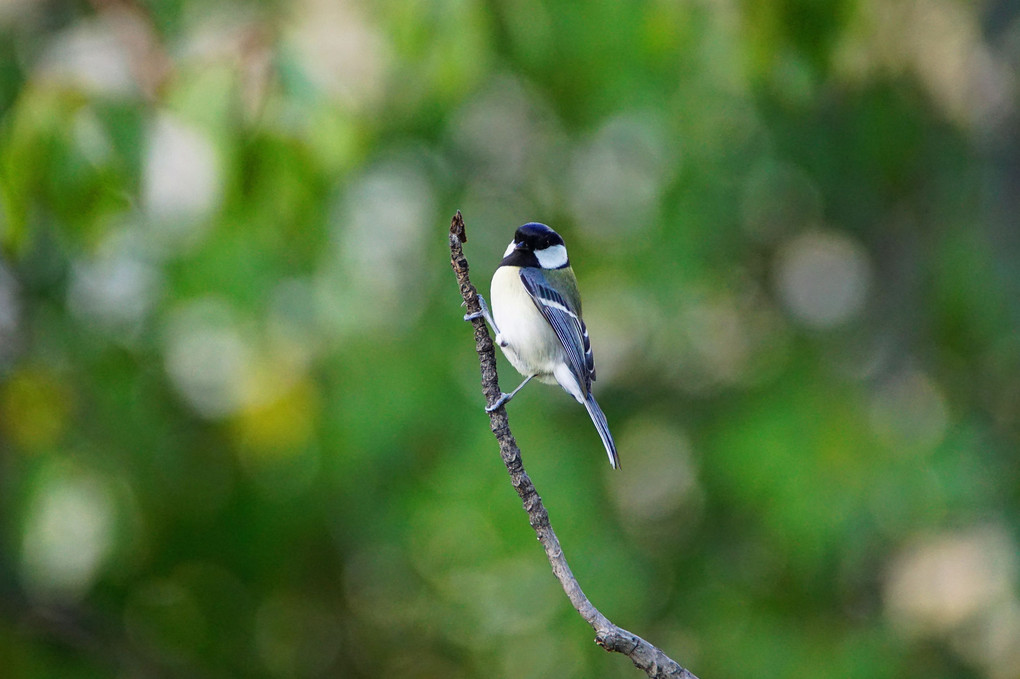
(241, 429)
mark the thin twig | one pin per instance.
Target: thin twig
(644, 655)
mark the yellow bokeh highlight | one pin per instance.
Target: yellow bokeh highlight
(281, 426)
(35, 408)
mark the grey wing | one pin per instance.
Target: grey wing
(566, 322)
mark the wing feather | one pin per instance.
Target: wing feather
(566, 323)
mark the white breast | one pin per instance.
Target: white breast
(531, 344)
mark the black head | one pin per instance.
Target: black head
(536, 245)
(535, 236)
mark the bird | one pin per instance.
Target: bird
(536, 313)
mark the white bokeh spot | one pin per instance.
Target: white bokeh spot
(823, 278)
(181, 180)
(68, 536)
(207, 358)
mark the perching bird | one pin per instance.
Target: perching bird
(537, 318)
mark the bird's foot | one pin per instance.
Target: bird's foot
(484, 313)
(501, 401)
(504, 397)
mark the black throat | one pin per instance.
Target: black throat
(522, 258)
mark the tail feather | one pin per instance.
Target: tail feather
(603, 428)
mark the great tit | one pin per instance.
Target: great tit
(537, 318)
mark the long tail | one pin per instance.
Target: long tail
(600, 423)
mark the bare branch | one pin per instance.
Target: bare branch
(644, 655)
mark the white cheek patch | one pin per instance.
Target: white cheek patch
(552, 257)
(510, 248)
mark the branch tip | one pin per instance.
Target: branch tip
(457, 228)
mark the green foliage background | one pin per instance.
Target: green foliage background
(241, 432)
